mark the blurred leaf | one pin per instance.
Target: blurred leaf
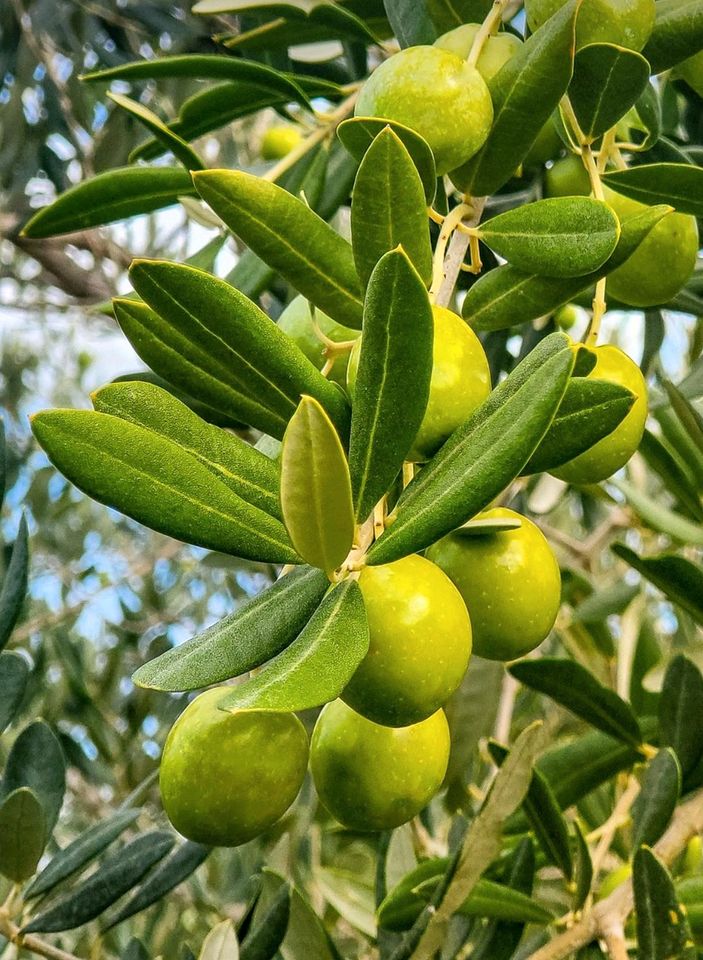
(288, 236)
(393, 380)
(3, 461)
(605, 602)
(36, 761)
(483, 455)
(350, 896)
(583, 868)
(678, 184)
(264, 939)
(116, 875)
(681, 712)
(677, 35)
(658, 516)
(178, 147)
(672, 473)
(558, 237)
(14, 673)
(607, 81)
(499, 940)
(14, 584)
(220, 943)
(575, 688)
(23, 832)
(680, 579)
(319, 663)
(316, 493)
(116, 195)
(78, 854)
(471, 713)
(135, 951)
(359, 133)
(663, 932)
(256, 631)
(689, 417)
(156, 482)
(656, 802)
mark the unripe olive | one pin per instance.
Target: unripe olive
(627, 23)
(296, 321)
(461, 381)
(436, 93)
(420, 642)
(567, 178)
(227, 777)
(614, 450)
(277, 142)
(495, 52)
(510, 583)
(662, 263)
(371, 777)
(566, 316)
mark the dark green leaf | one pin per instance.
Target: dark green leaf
(258, 630)
(393, 380)
(663, 932)
(677, 33)
(678, 184)
(36, 761)
(14, 673)
(115, 195)
(154, 481)
(262, 942)
(14, 584)
(316, 494)
(607, 81)
(116, 875)
(680, 579)
(499, 940)
(410, 21)
(177, 146)
(681, 712)
(358, 133)
(23, 832)
(319, 663)
(690, 419)
(576, 689)
(78, 854)
(483, 455)
(656, 802)
(673, 474)
(583, 868)
(289, 237)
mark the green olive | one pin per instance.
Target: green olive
(461, 381)
(277, 142)
(567, 316)
(613, 451)
(296, 321)
(494, 55)
(436, 93)
(567, 178)
(627, 23)
(662, 263)
(420, 643)
(510, 583)
(227, 777)
(371, 777)
(691, 71)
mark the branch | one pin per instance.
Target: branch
(457, 251)
(29, 942)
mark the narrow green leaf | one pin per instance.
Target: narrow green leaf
(559, 237)
(14, 673)
(681, 712)
(115, 195)
(656, 802)
(605, 602)
(505, 294)
(525, 93)
(583, 868)
(658, 516)
(204, 67)
(154, 481)
(116, 875)
(257, 630)
(499, 940)
(358, 133)
(265, 937)
(222, 330)
(319, 663)
(607, 81)
(14, 584)
(289, 237)
(575, 688)
(23, 832)
(36, 761)
(673, 473)
(483, 455)
(177, 146)
(680, 579)
(172, 871)
(678, 184)
(79, 854)
(677, 33)
(663, 932)
(690, 419)
(589, 411)
(389, 209)
(393, 379)
(316, 493)
(246, 471)
(487, 525)
(221, 943)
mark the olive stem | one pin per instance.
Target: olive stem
(608, 829)
(489, 26)
(450, 224)
(12, 932)
(457, 251)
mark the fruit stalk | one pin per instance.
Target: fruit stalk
(488, 28)
(458, 246)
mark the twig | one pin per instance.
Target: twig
(29, 942)
(617, 818)
(458, 246)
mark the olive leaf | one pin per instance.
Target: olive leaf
(221, 943)
(662, 928)
(154, 481)
(393, 379)
(499, 940)
(14, 584)
(23, 832)
(177, 146)
(389, 209)
(677, 33)
(268, 931)
(319, 663)
(681, 712)
(359, 133)
(257, 630)
(114, 195)
(677, 577)
(289, 237)
(483, 455)
(583, 867)
(656, 801)
(14, 673)
(607, 81)
(657, 515)
(678, 184)
(559, 237)
(689, 418)
(672, 471)
(36, 761)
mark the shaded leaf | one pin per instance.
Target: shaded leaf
(656, 801)
(14, 673)
(678, 184)
(14, 584)
(359, 133)
(319, 663)
(583, 868)
(680, 579)
(663, 932)
(658, 516)
(23, 832)
(36, 761)
(681, 712)
(607, 81)
(266, 936)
